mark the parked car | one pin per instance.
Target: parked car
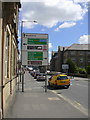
(36, 74)
(59, 80)
(41, 76)
(32, 73)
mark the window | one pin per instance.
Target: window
(88, 52)
(73, 59)
(7, 53)
(14, 60)
(62, 78)
(81, 52)
(81, 59)
(72, 52)
(89, 60)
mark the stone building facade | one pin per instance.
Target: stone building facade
(8, 53)
(78, 53)
(52, 63)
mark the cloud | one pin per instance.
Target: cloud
(19, 35)
(50, 52)
(50, 55)
(54, 1)
(50, 45)
(85, 39)
(66, 25)
(50, 13)
(19, 38)
(81, 1)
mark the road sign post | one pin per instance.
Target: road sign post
(65, 67)
(35, 50)
(46, 81)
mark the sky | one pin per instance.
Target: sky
(65, 21)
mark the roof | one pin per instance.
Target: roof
(78, 47)
(75, 47)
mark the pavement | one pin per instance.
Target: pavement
(34, 102)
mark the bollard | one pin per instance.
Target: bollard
(46, 84)
(18, 82)
(23, 82)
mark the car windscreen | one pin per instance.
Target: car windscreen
(62, 78)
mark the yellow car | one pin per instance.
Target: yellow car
(59, 80)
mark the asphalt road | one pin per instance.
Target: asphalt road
(76, 95)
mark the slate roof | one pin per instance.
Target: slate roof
(76, 47)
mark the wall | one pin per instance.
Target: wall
(9, 55)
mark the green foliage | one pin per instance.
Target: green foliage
(72, 66)
(77, 70)
(81, 70)
(88, 69)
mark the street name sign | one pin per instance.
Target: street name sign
(65, 66)
(34, 49)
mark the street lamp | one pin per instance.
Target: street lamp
(22, 32)
(21, 48)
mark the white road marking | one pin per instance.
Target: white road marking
(74, 103)
(82, 85)
(54, 98)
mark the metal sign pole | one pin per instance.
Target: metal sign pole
(23, 81)
(46, 81)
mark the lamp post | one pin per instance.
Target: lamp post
(21, 54)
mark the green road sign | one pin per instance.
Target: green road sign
(35, 55)
(37, 41)
(34, 49)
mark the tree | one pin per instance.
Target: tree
(81, 70)
(72, 66)
(88, 69)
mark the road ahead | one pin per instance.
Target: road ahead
(76, 95)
